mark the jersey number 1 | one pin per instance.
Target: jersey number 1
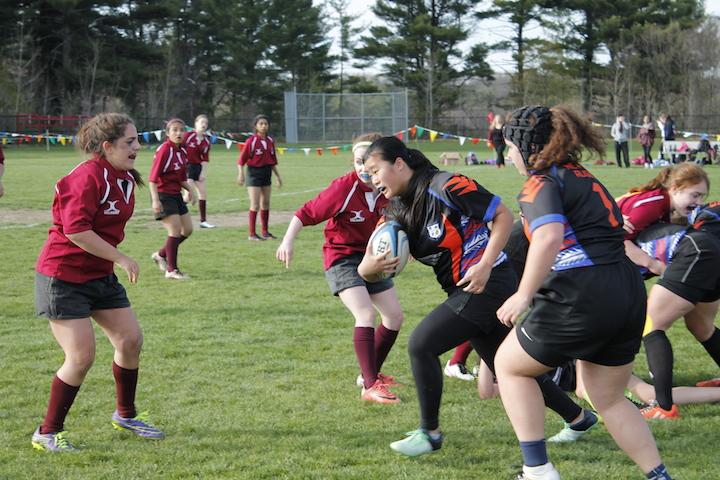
(597, 188)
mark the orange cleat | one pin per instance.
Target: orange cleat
(378, 393)
(713, 382)
(655, 412)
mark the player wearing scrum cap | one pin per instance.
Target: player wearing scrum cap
(446, 218)
(588, 298)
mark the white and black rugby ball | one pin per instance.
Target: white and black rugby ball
(390, 236)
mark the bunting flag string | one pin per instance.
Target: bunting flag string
(415, 132)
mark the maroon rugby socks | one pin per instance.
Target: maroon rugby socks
(202, 206)
(264, 217)
(384, 341)
(252, 219)
(62, 397)
(364, 341)
(125, 385)
(461, 354)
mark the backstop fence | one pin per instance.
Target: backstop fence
(338, 117)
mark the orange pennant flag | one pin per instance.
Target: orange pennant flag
(412, 131)
(240, 146)
(475, 141)
(334, 150)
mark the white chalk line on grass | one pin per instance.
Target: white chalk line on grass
(145, 210)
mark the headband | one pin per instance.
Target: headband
(361, 145)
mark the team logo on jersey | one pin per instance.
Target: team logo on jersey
(434, 231)
(112, 209)
(357, 216)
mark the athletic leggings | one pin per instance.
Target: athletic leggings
(443, 330)
(499, 155)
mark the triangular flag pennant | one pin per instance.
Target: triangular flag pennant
(281, 150)
(4, 141)
(240, 146)
(399, 135)
(345, 148)
(420, 131)
(433, 134)
(228, 143)
(39, 138)
(158, 134)
(213, 139)
(306, 150)
(291, 149)
(53, 140)
(334, 150)
(413, 130)
(462, 140)
(475, 141)
(319, 151)
(146, 136)
(687, 134)
(62, 140)
(717, 137)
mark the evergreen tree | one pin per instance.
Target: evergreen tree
(418, 46)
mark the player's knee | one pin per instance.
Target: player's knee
(80, 361)
(131, 344)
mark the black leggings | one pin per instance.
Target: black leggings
(646, 153)
(499, 155)
(622, 147)
(443, 330)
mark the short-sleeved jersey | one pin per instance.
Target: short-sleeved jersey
(258, 152)
(644, 209)
(198, 150)
(455, 233)
(660, 241)
(352, 210)
(592, 221)
(169, 168)
(94, 196)
(706, 218)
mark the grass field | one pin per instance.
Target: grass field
(249, 368)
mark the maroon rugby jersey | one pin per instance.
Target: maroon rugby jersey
(352, 209)
(645, 209)
(2, 156)
(169, 168)
(258, 152)
(198, 150)
(93, 196)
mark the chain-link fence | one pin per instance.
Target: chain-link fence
(338, 117)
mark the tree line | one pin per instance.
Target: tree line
(231, 59)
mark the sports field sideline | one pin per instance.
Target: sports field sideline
(249, 367)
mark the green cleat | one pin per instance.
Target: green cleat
(568, 434)
(418, 442)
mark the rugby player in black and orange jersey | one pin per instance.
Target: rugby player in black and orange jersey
(588, 298)
(446, 217)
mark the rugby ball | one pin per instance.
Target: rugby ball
(390, 236)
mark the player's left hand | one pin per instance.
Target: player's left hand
(475, 278)
(513, 308)
(131, 267)
(279, 182)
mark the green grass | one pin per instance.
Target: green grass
(250, 369)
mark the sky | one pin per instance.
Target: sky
(489, 31)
